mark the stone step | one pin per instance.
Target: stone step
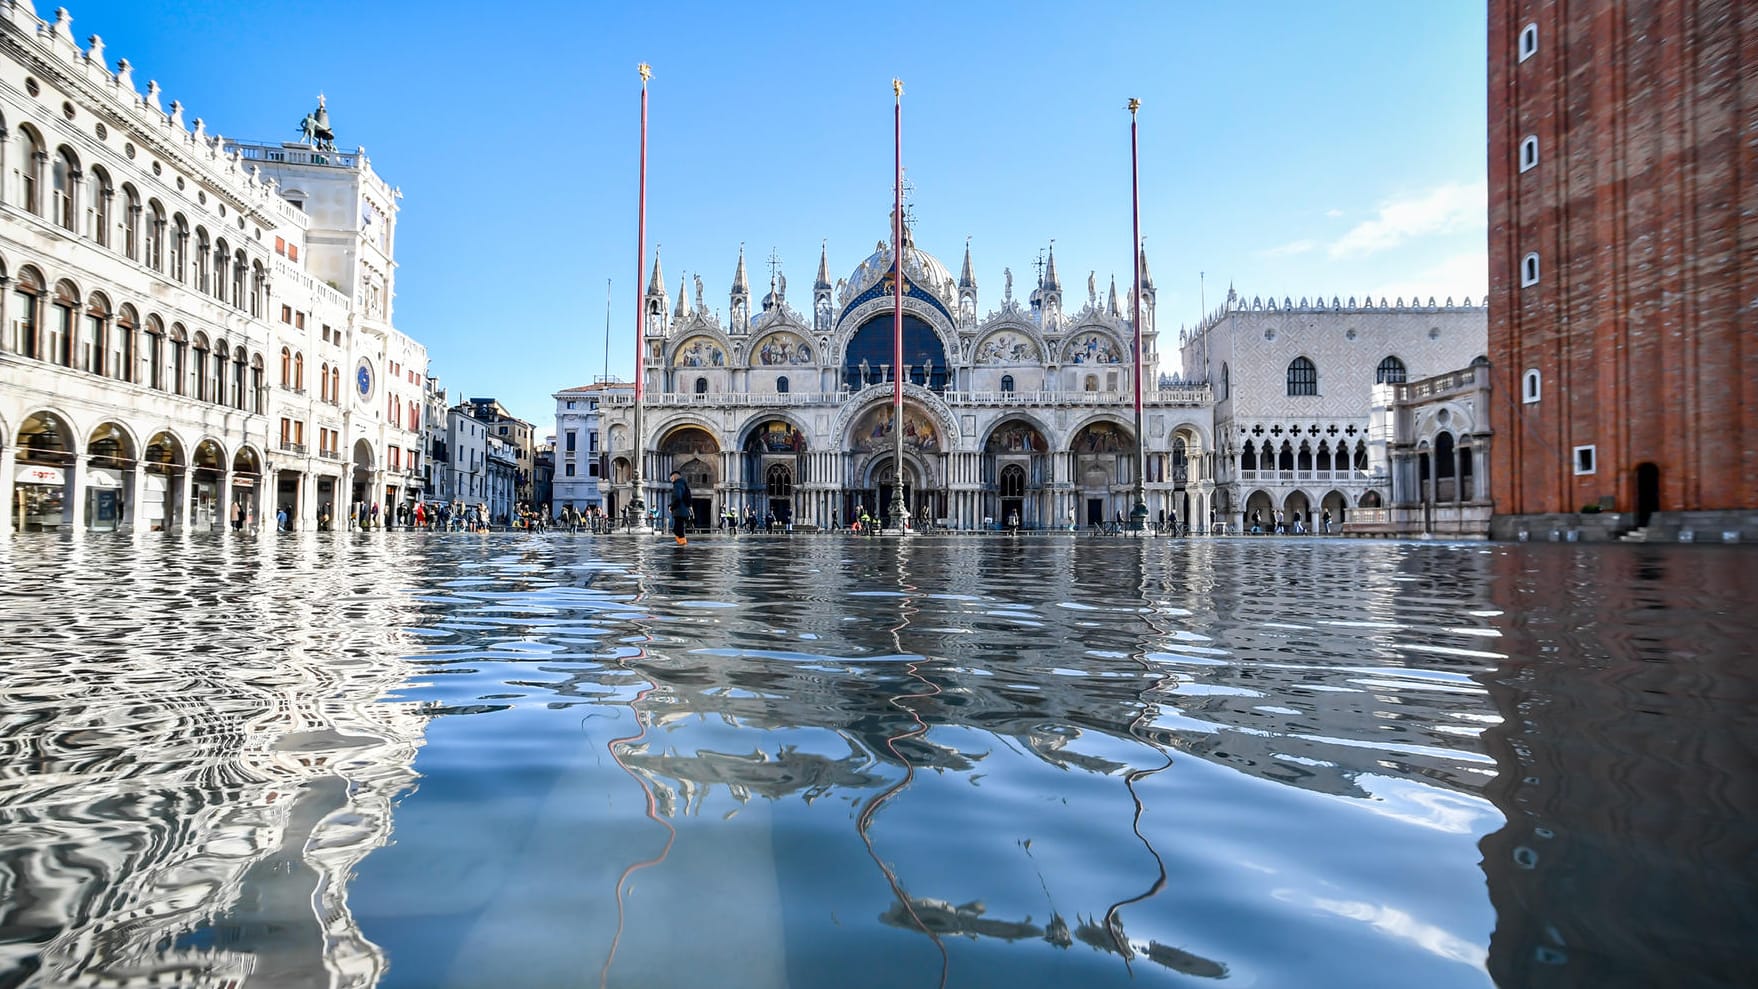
(1636, 535)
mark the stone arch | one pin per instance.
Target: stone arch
(688, 351)
(752, 433)
(113, 440)
(771, 349)
(1044, 432)
(49, 431)
(1337, 504)
(925, 342)
(921, 397)
(1264, 505)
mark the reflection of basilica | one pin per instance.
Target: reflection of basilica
(1025, 411)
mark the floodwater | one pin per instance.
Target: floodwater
(435, 760)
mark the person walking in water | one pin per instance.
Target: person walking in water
(680, 506)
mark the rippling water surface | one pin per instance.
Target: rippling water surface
(452, 760)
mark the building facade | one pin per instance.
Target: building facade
(1623, 218)
(580, 468)
(167, 299)
(465, 472)
(1023, 413)
(1294, 383)
(518, 434)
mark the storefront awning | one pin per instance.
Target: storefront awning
(97, 477)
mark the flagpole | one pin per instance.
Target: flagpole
(637, 503)
(899, 513)
(1138, 514)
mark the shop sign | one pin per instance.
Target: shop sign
(244, 482)
(97, 477)
(32, 474)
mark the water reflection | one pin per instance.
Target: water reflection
(847, 763)
(191, 762)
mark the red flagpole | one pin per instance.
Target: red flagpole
(898, 509)
(637, 454)
(1139, 511)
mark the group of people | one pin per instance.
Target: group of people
(1279, 524)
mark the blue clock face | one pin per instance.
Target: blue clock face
(364, 377)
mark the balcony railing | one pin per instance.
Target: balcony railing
(1344, 476)
(288, 446)
(1196, 395)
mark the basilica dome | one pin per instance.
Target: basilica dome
(919, 266)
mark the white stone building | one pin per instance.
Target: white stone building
(1294, 386)
(166, 304)
(1026, 411)
(579, 446)
(465, 474)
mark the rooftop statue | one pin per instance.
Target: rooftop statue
(315, 128)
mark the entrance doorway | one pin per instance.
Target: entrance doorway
(1095, 511)
(1647, 492)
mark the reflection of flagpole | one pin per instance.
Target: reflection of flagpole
(899, 511)
(639, 450)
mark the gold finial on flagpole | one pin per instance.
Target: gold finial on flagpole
(1134, 104)
(646, 72)
(897, 87)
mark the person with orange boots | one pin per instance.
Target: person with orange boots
(680, 506)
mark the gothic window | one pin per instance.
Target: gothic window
(155, 236)
(781, 384)
(701, 386)
(34, 158)
(179, 247)
(1443, 455)
(1390, 372)
(1361, 457)
(1286, 460)
(130, 222)
(1324, 456)
(1248, 459)
(91, 338)
(1226, 383)
(1007, 383)
(1013, 481)
(100, 199)
(780, 481)
(1303, 461)
(64, 172)
(1302, 377)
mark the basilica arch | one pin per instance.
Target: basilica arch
(691, 449)
(870, 439)
(1016, 473)
(930, 347)
(1102, 469)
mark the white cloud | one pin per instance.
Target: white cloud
(1333, 213)
(1446, 209)
(1463, 275)
(1290, 248)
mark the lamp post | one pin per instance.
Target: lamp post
(1138, 514)
(636, 453)
(898, 516)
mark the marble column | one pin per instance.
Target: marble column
(73, 512)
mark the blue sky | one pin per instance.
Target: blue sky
(1288, 148)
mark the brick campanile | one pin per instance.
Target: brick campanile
(1623, 254)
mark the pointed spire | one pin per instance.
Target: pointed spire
(1112, 305)
(656, 281)
(741, 284)
(1051, 282)
(683, 309)
(965, 278)
(823, 281)
(1147, 277)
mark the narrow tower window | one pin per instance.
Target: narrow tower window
(1530, 386)
(1528, 41)
(1529, 153)
(1529, 270)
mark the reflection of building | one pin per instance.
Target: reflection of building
(579, 457)
(189, 324)
(1623, 210)
(1293, 388)
(206, 824)
(1026, 411)
(1624, 769)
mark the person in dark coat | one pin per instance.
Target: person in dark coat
(680, 506)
